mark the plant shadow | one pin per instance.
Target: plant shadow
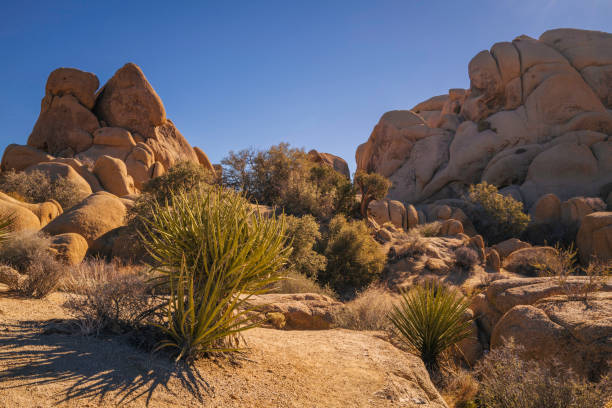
(42, 353)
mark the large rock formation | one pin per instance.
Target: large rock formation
(537, 117)
(124, 120)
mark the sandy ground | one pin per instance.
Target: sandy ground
(331, 368)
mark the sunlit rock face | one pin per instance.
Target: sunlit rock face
(537, 117)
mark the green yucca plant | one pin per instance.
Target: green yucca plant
(214, 252)
(429, 319)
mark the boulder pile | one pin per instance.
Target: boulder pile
(537, 119)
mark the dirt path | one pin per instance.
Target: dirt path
(332, 368)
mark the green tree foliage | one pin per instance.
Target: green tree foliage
(354, 258)
(214, 252)
(496, 217)
(303, 233)
(429, 319)
(285, 177)
(373, 186)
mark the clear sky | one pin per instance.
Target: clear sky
(234, 74)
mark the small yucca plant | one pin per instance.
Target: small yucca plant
(213, 252)
(429, 319)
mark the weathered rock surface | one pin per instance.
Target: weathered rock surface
(114, 176)
(509, 246)
(125, 120)
(383, 211)
(23, 218)
(92, 218)
(594, 238)
(44, 211)
(550, 320)
(70, 248)
(335, 162)
(532, 120)
(55, 170)
(301, 311)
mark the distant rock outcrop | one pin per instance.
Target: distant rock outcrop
(335, 162)
(125, 120)
(537, 117)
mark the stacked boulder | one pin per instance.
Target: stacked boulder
(108, 142)
(537, 119)
(114, 139)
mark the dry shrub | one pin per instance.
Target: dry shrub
(38, 187)
(295, 282)
(28, 252)
(108, 297)
(466, 258)
(368, 311)
(431, 229)
(507, 381)
(457, 385)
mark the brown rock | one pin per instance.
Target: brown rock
(83, 171)
(114, 176)
(594, 237)
(157, 170)
(412, 217)
(69, 248)
(92, 154)
(302, 311)
(92, 218)
(23, 218)
(574, 210)
(63, 123)
(523, 260)
(113, 136)
(130, 102)
(508, 246)
(69, 81)
(335, 162)
(547, 209)
(470, 348)
(18, 158)
(56, 170)
(493, 260)
(203, 159)
(169, 146)
(44, 211)
(451, 227)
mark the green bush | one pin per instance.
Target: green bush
(182, 177)
(38, 187)
(354, 258)
(373, 186)
(429, 319)
(496, 217)
(213, 252)
(508, 381)
(285, 177)
(303, 233)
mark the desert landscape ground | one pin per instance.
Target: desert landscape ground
(467, 262)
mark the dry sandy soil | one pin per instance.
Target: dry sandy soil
(332, 368)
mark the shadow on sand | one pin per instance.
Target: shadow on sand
(92, 368)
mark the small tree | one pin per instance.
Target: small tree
(373, 186)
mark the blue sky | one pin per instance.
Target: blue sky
(234, 74)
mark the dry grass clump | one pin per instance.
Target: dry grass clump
(295, 282)
(507, 381)
(431, 229)
(28, 252)
(107, 296)
(368, 311)
(466, 258)
(37, 187)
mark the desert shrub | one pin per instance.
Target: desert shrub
(107, 297)
(495, 216)
(302, 234)
(372, 186)
(466, 258)
(368, 311)
(183, 176)
(295, 282)
(285, 177)
(213, 252)
(429, 319)
(431, 229)
(28, 252)
(38, 187)
(508, 381)
(354, 258)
